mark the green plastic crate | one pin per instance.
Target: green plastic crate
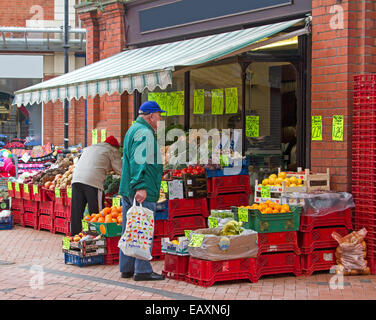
(107, 229)
(271, 222)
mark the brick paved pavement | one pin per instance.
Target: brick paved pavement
(24, 251)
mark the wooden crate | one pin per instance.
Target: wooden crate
(311, 181)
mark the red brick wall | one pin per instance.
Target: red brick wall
(105, 38)
(15, 13)
(337, 55)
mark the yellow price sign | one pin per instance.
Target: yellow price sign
(243, 214)
(252, 126)
(198, 101)
(10, 186)
(116, 202)
(69, 192)
(164, 186)
(85, 225)
(217, 101)
(196, 240)
(35, 189)
(17, 186)
(232, 100)
(103, 135)
(94, 136)
(57, 193)
(316, 128)
(213, 222)
(265, 192)
(187, 233)
(66, 243)
(26, 188)
(337, 129)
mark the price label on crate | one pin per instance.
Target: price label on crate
(10, 186)
(243, 214)
(35, 189)
(85, 225)
(212, 221)
(187, 233)
(66, 243)
(196, 240)
(224, 160)
(164, 186)
(265, 192)
(69, 192)
(26, 188)
(116, 202)
(17, 186)
(57, 193)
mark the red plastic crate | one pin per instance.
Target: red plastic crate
(46, 222)
(225, 201)
(18, 194)
(157, 247)
(318, 260)
(30, 219)
(278, 263)
(46, 208)
(176, 226)
(339, 218)
(110, 259)
(319, 238)
(17, 216)
(278, 242)
(160, 228)
(112, 245)
(17, 204)
(30, 206)
(205, 273)
(48, 195)
(37, 196)
(62, 199)
(62, 211)
(175, 267)
(25, 195)
(184, 207)
(62, 225)
(11, 193)
(228, 184)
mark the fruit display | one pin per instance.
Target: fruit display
(277, 180)
(107, 215)
(232, 228)
(268, 207)
(81, 237)
(191, 170)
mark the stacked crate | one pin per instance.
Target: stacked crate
(225, 191)
(46, 212)
(30, 207)
(160, 229)
(364, 160)
(16, 205)
(315, 239)
(62, 211)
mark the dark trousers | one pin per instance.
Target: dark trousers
(83, 194)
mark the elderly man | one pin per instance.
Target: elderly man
(141, 180)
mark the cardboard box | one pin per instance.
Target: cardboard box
(241, 246)
(175, 189)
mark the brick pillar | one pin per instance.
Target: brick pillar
(106, 37)
(338, 53)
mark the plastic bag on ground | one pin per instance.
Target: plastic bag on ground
(351, 253)
(138, 235)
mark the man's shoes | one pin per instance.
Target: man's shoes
(127, 274)
(148, 277)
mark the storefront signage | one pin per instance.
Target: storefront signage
(252, 129)
(316, 128)
(231, 100)
(198, 101)
(217, 101)
(172, 102)
(103, 135)
(185, 12)
(94, 136)
(337, 130)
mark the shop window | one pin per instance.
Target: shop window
(271, 117)
(215, 97)
(170, 99)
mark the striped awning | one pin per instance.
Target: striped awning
(145, 68)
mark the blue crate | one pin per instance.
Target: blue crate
(81, 262)
(6, 223)
(221, 173)
(161, 212)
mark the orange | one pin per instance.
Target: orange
(120, 209)
(275, 211)
(93, 214)
(101, 219)
(114, 220)
(108, 219)
(255, 206)
(120, 219)
(263, 206)
(268, 202)
(284, 211)
(107, 210)
(268, 210)
(285, 207)
(94, 219)
(114, 214)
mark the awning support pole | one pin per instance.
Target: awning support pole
(66, 70)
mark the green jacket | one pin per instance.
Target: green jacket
(142, 166)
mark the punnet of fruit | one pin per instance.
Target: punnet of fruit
(277, 180)
(107, 215)
(269, 207)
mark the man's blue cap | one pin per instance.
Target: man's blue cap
(150, 107)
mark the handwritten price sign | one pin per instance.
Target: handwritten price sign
(217, 101)
(196, 240)
(94, 136)
(337, 128)
(103, 135)
(231, 100)
(252, 126)
(243, 214)
(316, 128)
(199, 101)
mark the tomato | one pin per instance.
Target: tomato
(195, 172)
(198, 168)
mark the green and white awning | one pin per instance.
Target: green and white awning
(146, 68)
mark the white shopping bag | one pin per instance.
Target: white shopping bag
(138, 236)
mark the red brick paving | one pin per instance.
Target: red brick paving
(23, 248)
